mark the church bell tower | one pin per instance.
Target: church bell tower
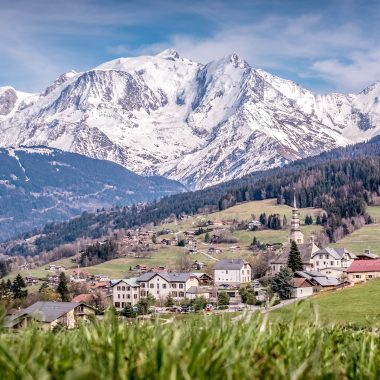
(295, 232)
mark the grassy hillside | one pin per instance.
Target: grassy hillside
(359, 305)
(203, 348)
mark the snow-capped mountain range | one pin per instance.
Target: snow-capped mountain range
(199, 124)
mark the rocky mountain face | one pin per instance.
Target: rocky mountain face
(198, 124)
(40, 185)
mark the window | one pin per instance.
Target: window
(358, 276)
(128, 288)
(174, 286)
(143, 285)
(135, 296)
(180, 286)
(317, 263)
(226, 271)
(117, 304)
(143, 293)
(321, 257)
(332, 263)
(174, 294)
(129, 296)
(158, 286)
(123, 288)
(118, 288)
(164, 286)
(181, 294)
(326, 256)
(118, 296)
(151, 286)
(123, 304)
(123, 296)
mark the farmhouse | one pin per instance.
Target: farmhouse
(51, 314)
(125, 292)
(232, 272)
(363, 270)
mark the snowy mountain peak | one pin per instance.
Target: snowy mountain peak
(169, 54)
(199, 124)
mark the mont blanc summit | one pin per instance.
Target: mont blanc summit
(197, 123)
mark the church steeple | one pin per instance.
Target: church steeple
(295, 232)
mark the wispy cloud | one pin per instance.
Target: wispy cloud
(322, 45)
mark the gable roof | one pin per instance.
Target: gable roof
(336, 253)
(47, 311)
(306, 251)
(318, 278)
(372, 265)
(300, 282)
(129, 281)
(229, 264)
(167, 276)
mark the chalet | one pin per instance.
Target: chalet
(331, 258)
(254, 224)
(319, 281)
(55, 268)
(366, 255)
(232, 272)
(51, 314)
(204, 279)
(159, 269)
(126, 291)
(302, 287)
(31, 280)
(363, 270)
(160, 285)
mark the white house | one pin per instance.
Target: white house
(125, 292)
(160, 285)
(232, 272)
(332, 258)
(302, 288)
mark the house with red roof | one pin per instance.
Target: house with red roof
(363, 270)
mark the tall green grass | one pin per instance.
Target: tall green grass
(195, 348)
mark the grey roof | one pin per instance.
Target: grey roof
(230, 264)
(129, 281)
(47, 311)
(319, 278)
(336, 253)
(305, 249)
(168, 276)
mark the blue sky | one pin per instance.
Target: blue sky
(323, 45)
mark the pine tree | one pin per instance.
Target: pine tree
(207, 237)
(62, 288)
(18, 286)
(319, 220)
(294, 259)
(169, 301)
(282, 283)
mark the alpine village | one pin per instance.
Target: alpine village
(189, 190)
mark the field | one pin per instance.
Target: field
(358, 305)
(202, 348)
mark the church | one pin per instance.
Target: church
(307, 249)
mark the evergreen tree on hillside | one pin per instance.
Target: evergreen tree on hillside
(294, 259)
(62, 288)
(18, 286)
(282, 283)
